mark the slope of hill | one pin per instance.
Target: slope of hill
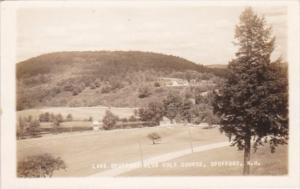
(222, 66)
(90, 78)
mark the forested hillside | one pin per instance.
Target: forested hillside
(111, 78)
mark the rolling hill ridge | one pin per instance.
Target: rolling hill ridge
(91, 78)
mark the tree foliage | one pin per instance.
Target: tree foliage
(153, 112)
(186, 110)
(69, 117)
(154, 137)
(172, 106)
(40, 166)
(253, 102)
(109, 120)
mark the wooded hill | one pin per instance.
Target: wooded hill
(90, 78)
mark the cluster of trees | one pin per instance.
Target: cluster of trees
(132, 118)
(181, 109)
(144, 92)
(112, 121)
(28, 127)
(77, 85)
(112, 85)
(103, 71)
(40, 166)
(50, 117)
(190, 75)
(109, 120)
(152, 113)
(37, 79)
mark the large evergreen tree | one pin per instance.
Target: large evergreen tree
(253, 102)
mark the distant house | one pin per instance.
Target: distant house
(203, 124)
(173, 82)
(204, 94)
(165, 122)
(96, 125)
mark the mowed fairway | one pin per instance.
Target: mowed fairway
(79, 113)
(82, 151)
(225, 161)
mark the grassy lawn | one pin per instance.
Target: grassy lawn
(79, 113)
(224, 161)
(82, 151)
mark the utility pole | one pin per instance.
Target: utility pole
(191, 140)
(141, 154)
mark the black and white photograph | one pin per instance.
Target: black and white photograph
(162, 90)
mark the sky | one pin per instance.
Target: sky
(200, 34)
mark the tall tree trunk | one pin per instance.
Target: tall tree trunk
(247, 150)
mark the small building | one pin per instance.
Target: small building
(166, 121)
(203, 124)
(173, 82)
(96, 125)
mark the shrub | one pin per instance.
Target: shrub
(39, 166)
(116, 84)
(45, 117)
(69, 117)
(109, 120)
(133, 118)
(124, 120)
(106, 89)
(76, 91)
(97, 83)
(152, 113)
(92, 86)
(156, 84)
(34, 128)
(21, 128)
(59, 117)
(56, 122)
(172, 106)
(154, 137)
(144, 92)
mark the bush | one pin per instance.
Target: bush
(116, 84)
(152, 113)
(156, 84)
(34, 128)
(21, 128)
(124, 120)
(106, 89)
(69, 117)
(154, 137)
(133, 118)
(28, 127)
(92, 86)
(45, 117)
(109, 120)
(39, 166)
(56, 122)
(144, 92)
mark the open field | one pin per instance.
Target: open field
(82, 152)
(79, 113)
(89, 153)
(225, 161)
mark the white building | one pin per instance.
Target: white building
(173, 82)
(96, 125)
(166, 121)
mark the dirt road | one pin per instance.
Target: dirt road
(122, 168)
